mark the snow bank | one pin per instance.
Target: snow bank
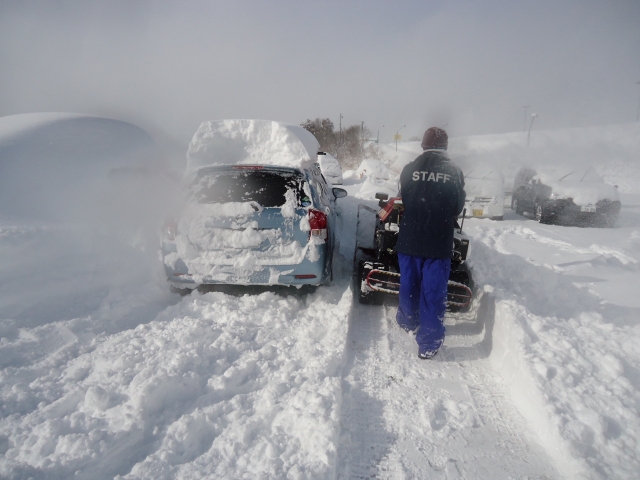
(251, 142)
(371, 186)
(371, 168)
(216, 386)
(568, 354)
(377, 179)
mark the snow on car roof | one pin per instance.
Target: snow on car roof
(245, 141)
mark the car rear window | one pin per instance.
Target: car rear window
(267, 188)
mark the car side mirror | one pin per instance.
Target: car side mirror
(339, 192)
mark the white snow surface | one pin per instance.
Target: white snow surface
(244, 141)
(106, 374)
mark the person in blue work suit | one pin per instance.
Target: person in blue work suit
(432, 190)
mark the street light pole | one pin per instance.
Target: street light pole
(533, 117)
(525, 117)
(397, 136)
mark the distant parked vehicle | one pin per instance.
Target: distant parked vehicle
(564, 196)
(485, 193)
(330, 168)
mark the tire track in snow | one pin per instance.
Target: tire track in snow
(364, 438)
(446, 418)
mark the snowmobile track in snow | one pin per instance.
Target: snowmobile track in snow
(447, 418)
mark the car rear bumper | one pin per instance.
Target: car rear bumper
(486, 210)
(566, 212)
(303, 273)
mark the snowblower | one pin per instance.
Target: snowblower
(376, 269)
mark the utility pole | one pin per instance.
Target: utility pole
(638, 114)
(361, 138)
(525, 117)
(397, 136)
(533, 117)
(340, 137)
(378, 140)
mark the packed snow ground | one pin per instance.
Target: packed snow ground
(105, 373)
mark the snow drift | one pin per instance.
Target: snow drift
(53, 164)
(262, 142)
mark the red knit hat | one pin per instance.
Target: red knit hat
(435, 138)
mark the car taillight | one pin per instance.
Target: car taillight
(318, 224)
(248, 167)
(170, 228)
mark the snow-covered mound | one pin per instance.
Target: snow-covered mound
(372, 168)
(373, 185)
(262, 142)
(377, 179)
(51, 164)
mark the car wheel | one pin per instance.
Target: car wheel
(610, 221)
(515, 205)
(541, 215)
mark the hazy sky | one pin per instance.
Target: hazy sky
(167, 66)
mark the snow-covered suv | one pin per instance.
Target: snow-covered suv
(256, 209)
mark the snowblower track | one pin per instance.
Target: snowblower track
(446, 418)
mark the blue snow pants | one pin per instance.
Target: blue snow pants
(423, 296)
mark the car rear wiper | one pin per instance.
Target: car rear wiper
(585, 173)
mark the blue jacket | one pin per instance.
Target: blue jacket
(432, 190)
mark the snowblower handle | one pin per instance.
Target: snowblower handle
(464, 212)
